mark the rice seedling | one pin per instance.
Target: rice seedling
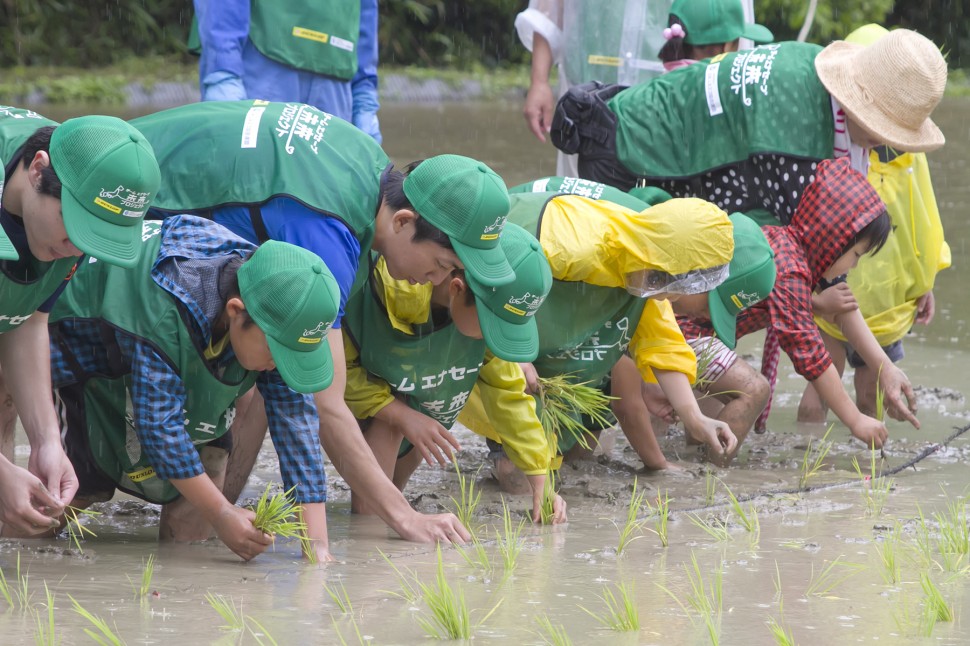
(449, 615)
(101, 634)
(706, 600)
(280, 515)
(632, 528)
(144, 587)
(5, 586)
(923, 541)
(353, 622)
(888, 551)
(340, 598)
(831, 576)
(19, 594)
(875, 488)
(813, 460)
(45, 634)
(748, 519)
(661, 516)
(713, 526)
(781, 635)
(565, 403)
(227, 609)
(547, 510)
(710, 488)
(953, 541)
(467, 505)
(259, 633)
(409, 592)
(75, 529)
(935, 607)
(551, 634)
(621, 612)
(509, 541)
(476, 555)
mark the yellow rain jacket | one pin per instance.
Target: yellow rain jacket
(499, 391)
(888, 284)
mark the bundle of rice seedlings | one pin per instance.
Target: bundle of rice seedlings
(75, 530)
(279, 515)
(564, 403)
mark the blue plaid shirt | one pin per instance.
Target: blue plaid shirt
(158, 393)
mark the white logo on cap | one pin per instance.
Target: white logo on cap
(134, 200)
(748, 299)
(498, 224)
(322, 328)
(529, 301)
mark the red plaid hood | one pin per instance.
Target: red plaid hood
(832, 210)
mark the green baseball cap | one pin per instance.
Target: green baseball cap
(469, 202)
(294, 299)
(109, 177)
(709, 22)
(507, 312)
(751, 277)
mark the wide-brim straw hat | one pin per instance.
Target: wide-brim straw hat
(889, 88)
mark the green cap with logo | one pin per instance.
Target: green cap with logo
(507, 313)
(469, 202)
(109, 177)
(709, 22)
(294, 299)
(751, 277)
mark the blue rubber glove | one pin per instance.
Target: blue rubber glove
(223, 86)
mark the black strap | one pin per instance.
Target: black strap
(256, 216)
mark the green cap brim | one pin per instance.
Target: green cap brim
(757, 33)
(103, 240)
(725, 323)
(509, 341)
(489, 267)
(304, 372)
(7, 250)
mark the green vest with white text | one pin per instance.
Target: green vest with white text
(131, 301)
(433, 369)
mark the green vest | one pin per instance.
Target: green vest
(319, 37)
(583, 329)
(231, 153)
(22, 292)
(613, 42)
(434, 369)
(723, 111)
(131, 301)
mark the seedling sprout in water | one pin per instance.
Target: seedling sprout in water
(75, 529)
(547, 510)
(875, 489)
(812, 462)
(46, 634)
(661, 515)
(831, 576)
(21, 591)
(748, 519)
(552, 634)
(144, 588)
(101, 634)
(279, 515)
(340, 598)
(509, 541)
(564, 404)
(632, 528)
(467, 505)
(621, 612)
(449, 615)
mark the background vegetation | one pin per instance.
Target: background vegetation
(426, 33)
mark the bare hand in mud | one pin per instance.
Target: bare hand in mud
(835, 300)
(234, 527)
(558, 511)
(871, 431)
(717, 435)
(22, 498)
(925, 308)
(432, 440)
(896, 386)
(50, 463)
(531, 378)
(434, 528)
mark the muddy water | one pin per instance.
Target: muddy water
(782, 573)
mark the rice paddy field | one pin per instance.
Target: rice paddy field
(808, 539)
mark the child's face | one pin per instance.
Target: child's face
(846, 261)
(692, 305)
(248, 341)
(416, 262)
(859, 136)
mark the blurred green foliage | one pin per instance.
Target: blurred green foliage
(834, 19)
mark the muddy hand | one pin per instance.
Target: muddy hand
(897, 387)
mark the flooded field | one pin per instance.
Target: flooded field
(813, 548)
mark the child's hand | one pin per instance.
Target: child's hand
(895, 385)
(531, 378)
(834, 300)
(871, 431)
(558, 510)
(925, 308)
(716, 434)
(234, 526)
(432, 440)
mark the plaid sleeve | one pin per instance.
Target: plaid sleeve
(158, 399)
(293, 425)
(790, 308)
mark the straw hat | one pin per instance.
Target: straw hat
(888, 88)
